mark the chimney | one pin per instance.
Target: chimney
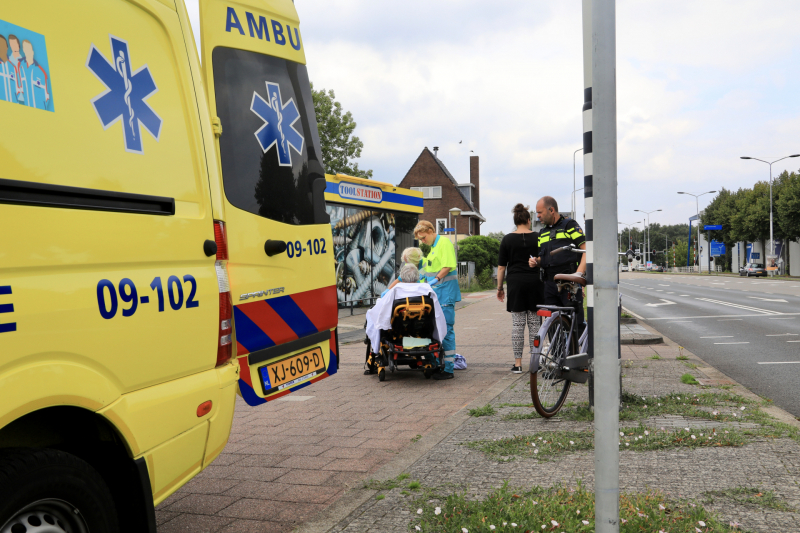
(436, 151)
(474, 178)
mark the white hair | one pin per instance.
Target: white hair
(411, 255)
(409, 273)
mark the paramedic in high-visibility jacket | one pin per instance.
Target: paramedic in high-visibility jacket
(559, 231)
(439, 270)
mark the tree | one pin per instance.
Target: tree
(496, 235)
(484, 251)
(340, 148)
(788, 205)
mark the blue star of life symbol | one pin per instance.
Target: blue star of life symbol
(125, 96)
(278, 128)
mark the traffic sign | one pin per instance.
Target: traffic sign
(713, 227)
(448, 230)
(717, 248)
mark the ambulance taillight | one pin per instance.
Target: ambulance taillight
(225, 342)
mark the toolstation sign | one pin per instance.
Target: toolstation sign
(352, 191)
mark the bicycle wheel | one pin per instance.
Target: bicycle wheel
(548, 392)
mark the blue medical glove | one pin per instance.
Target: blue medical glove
(383, 293)
(432, 281)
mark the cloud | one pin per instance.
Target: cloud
(698, 85)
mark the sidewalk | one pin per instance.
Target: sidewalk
(290, 459)
(711, 476)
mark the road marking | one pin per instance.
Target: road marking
(670, 293)
(679, 322)
(792, 341)
(683, 295)
(728, 319)
(719, 337)
(631, 297)
(784, 335)
(666, 302)
(662, 285)
(780, 363)
(768, 299)
(740, 306)
(731, 343)
(788, 318)
(659, 290)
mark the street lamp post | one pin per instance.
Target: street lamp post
(456, 212)
(771, 239)
(697, 202)
(574, 183)
(629, 232)
(647, 257)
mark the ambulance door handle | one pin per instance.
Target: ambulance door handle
(272, 247)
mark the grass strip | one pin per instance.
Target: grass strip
(750, 495)
(552, 444)
(486, 410)
(558, 509)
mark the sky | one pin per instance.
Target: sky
(699, 84)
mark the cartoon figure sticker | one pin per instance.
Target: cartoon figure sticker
(24, 69)
(126, 94)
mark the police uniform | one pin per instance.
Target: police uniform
(443, 255)
(564, 232)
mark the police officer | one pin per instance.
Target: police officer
(559, 231)
(439, 269)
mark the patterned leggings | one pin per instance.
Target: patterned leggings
(518, 330)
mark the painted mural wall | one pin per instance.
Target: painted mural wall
(367, 245)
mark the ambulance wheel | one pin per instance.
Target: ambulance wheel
(50, 490)
(382, 375)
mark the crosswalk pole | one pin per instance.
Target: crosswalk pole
(601, 235)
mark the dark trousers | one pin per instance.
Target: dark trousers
(553, 297)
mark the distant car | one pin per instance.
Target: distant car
(625, 268)
(641, 268)
(753, 269)
(657, 268)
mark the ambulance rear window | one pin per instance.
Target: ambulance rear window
(269, 147)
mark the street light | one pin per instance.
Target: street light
(629, 231)
(697, 201)
(771, 239)
(456, 212)
(648, 231)
(574, 184)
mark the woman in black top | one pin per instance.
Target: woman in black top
(525, 289)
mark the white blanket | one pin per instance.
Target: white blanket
(380, 316)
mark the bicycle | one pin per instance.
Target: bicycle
(558, 356)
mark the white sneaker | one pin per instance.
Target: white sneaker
(516, 369)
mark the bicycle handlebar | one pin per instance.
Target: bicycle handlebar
(568, 248)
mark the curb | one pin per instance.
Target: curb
(355, 497)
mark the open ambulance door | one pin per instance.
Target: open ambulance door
(281, 261)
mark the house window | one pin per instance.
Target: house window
(441, 224)
(429, 192)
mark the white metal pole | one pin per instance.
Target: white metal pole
(605, 287)
(771, 238)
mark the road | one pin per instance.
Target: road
(747, 328)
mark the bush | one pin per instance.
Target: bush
(483, 251)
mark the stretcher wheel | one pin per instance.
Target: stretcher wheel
(428, 372)
(382, 375)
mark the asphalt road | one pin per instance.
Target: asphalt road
(745, 327)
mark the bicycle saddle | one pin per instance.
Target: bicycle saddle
(572, 278)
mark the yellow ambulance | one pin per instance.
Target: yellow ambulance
(165, 244)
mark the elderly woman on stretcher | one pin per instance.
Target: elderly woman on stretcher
(407, 286)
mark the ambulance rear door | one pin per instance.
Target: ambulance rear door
(281, 260)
